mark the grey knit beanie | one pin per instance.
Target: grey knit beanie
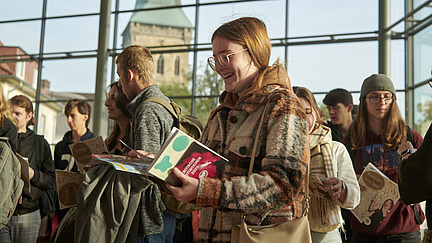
(377, 82)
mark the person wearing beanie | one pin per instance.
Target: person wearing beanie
(375, 137)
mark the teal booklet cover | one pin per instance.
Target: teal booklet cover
(180, 150)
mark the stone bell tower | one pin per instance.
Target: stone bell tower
(159, 28)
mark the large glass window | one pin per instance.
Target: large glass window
(324, 45)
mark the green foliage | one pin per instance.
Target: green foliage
(425, 113)
(325, 114)
(209, 83)
(176, 90)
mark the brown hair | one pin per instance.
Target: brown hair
(4, 108)
(23, 102)
(121, 102)
(138, 59)
(306, 94)
(393, 130)
(252, 34)
(82, 106)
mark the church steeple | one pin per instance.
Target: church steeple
(161, 27)
(174, 17)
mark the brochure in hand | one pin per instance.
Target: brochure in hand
(317, 187)
(83, 150)
(377, 200)
(68, 183)
(25, 171)
(180, 150)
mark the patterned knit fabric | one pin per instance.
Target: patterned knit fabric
(273, 193)
(322, 164)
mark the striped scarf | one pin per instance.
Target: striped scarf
(322, 164)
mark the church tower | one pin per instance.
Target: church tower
(164, 27)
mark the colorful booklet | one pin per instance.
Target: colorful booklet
(125, 163)
(180, 150)
(377, 200)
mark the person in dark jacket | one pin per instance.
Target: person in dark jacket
(26, 219)
(7, 128)
(78, 118)
(339, 104)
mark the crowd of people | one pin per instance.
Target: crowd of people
(295, 146)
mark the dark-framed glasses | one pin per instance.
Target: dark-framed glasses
(223, 59)
(375, 99)
(430, 83)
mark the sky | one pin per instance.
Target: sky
(318, 67)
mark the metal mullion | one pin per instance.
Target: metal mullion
(409, 15)
(40, 62)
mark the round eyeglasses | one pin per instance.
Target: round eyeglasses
(223, 59)
(387, 98)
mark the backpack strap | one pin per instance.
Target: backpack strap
(164, 103)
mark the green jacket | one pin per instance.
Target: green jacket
(107, 202)
(11, 184)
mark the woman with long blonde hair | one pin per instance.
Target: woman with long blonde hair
(375, 136)
(7, 127)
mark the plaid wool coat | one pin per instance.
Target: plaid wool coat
(274, 192)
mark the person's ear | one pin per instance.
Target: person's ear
(131, 75)
(350, 107)
(86, 117)
(29, 116)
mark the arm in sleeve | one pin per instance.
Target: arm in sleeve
(45, 176)
(283, 166)
(415, 173)
(347, 175)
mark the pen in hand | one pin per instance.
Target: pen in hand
(142, 156)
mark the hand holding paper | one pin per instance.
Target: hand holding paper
(189, 189)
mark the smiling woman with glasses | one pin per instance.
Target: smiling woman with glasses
(223, 59)
(254, 92)
(377, 136)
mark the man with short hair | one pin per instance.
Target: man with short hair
(151, 125)
(26, 220)
(339, 103)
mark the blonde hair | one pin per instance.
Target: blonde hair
(138, 59)
(4, 108)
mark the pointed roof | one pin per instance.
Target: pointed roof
(174, 17)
